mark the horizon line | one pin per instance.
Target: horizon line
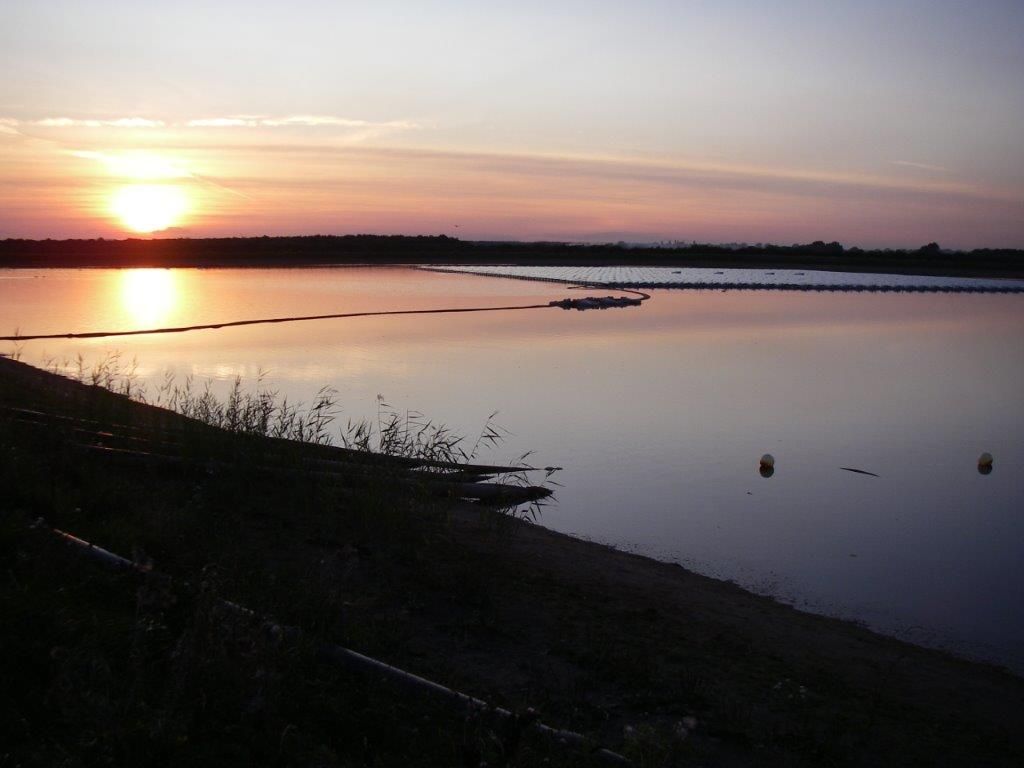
(660, 244)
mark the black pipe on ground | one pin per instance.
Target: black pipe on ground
(359, 662)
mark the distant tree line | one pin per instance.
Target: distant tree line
(441, 249)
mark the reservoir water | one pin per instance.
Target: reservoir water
(658, 415)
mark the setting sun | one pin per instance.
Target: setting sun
(149, 207)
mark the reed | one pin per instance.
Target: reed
(254, 409)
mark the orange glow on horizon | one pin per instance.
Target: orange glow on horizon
(235, 187)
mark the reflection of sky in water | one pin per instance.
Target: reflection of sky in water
(660, 415)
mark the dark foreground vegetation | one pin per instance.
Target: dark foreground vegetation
(374, 249)
(648, 659)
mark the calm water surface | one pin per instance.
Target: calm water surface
(658, 415)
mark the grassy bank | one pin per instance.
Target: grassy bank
(646, 658)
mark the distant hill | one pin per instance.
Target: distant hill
(399, 249)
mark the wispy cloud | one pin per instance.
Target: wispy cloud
(624, 173)
(919, 166)
(297, 121)
(358, 128)
(223, 122)
(135, 165)
(10, 125)
(72, 122)
(148, 166)
(338, 122)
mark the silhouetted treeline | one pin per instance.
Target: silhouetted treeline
(397, 249)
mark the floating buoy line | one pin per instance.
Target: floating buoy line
(589, 302)
(766, 466)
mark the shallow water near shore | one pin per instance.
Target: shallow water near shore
(658, 415)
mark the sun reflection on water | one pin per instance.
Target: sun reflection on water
(148, 296)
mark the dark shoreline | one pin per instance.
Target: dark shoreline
(442, 250)
(615, 645)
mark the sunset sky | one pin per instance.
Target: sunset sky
(873, 123)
